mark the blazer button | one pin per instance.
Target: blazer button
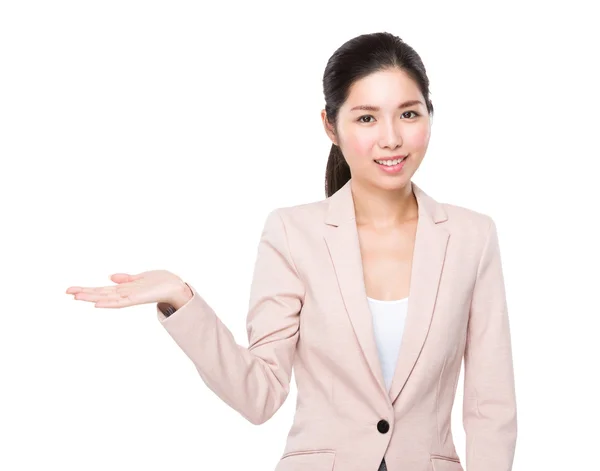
(383, 426)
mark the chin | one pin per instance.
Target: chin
(395, 182)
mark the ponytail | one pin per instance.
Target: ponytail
(337, 173)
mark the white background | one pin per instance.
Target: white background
(158, 135)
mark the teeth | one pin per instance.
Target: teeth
(390, 162)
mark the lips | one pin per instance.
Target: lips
(392, 168)
(396, 157)
(383, 162)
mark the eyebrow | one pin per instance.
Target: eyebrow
(376, 108)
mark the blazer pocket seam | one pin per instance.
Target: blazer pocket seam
(307, 452)
(445, 458)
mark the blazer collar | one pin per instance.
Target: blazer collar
(341, 237)
(341, 205)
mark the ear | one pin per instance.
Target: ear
(328, 128)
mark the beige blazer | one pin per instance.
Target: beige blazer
(308, 311)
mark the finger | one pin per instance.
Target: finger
(79, 289)
(95, 294)
(106, 290)
(102, 291)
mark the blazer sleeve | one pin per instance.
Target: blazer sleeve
(253, 380)
(489, 405)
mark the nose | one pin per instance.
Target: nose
(390, 135)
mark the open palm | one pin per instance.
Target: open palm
(147, 287)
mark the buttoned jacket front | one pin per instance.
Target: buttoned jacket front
(308, 311)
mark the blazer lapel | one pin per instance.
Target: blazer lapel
(341, 236)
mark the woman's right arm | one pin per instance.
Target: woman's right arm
(253, 380)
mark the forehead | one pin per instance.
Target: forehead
(384, 89)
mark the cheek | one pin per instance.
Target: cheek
(418, 137)
(361, 144)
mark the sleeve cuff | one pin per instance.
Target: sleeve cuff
(166, 309)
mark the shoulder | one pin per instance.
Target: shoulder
(302, 215)
(472, 229)
(467, 219)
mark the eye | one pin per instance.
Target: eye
(416, 114)
(364, 116)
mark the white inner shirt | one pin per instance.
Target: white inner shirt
(388, 323)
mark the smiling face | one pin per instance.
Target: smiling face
(384, 116)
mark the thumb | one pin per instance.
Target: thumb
(122, 277)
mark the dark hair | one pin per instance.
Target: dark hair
(354, 60)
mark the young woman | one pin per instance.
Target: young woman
(373, 295)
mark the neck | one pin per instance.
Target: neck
(381, 208)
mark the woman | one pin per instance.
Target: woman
(373, 295)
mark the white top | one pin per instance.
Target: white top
(388, 323)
